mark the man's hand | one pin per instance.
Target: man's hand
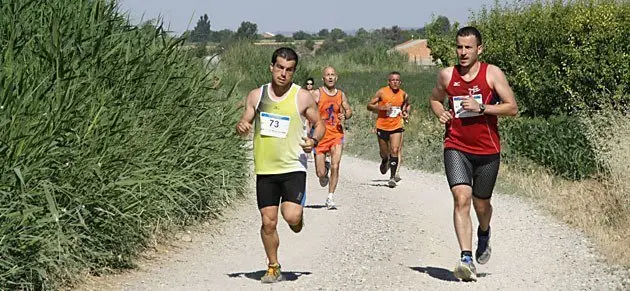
(243, 128)
(387, 107)
(342, 117)
(308, 144)
(445, 117)
(470, 104)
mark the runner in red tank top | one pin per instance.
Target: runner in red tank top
(334, 109)
(477, 93)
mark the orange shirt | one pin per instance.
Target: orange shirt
(329, 109)
(390, 120)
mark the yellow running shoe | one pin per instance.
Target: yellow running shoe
(273, 275)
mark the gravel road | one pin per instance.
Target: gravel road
(379, 238)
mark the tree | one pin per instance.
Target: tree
(201, 32)
(280, 38)
(221, 35)
(323, 33)
(247, 30)
(200, 50)
(309, 44)
(362, 33)
(301, 35)
(441, 25)
(441, 40)
(337, 33)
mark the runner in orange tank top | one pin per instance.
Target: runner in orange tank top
(334, 109)
(391, 105)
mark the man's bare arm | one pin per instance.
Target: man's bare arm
(311, 112)
(436, 98)
(508, 106)
(346, 106)
(373, 104)
(244, 125)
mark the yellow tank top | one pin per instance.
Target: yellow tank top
(279, 129)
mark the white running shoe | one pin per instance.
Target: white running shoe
(330, 204)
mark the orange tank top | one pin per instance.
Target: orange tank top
(329, 109)
(392, 119)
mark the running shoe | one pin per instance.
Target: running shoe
(483, 251)
(273, 274)
(465, 269)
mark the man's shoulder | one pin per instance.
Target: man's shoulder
(493, 73)
(493, 69)
(447, 71)
(256, 91)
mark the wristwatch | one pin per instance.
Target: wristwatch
(482, 108)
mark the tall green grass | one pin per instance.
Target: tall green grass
(109, 134)
(368, 58)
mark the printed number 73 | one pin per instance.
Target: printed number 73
(274, 123)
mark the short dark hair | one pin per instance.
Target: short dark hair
(309, 79)
(394, 73)
(469, 30)
(286, 53)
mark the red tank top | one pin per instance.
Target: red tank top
(470, 132)
(329, 108)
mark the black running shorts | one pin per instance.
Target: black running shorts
(478, 171)
(384, 134)
(271, 190)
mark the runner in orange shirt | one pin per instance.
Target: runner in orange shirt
(391, 105)
(334, 109)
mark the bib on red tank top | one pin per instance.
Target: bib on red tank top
(468, 131)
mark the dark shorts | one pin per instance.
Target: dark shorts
(478, 171)
(271, 190)
(384, 134)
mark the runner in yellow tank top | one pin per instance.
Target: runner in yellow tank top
(280, 110)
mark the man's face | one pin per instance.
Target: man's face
(394, 81)
(329, 77)
(282, 71)
(467, 50)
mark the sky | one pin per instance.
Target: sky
(294, 15)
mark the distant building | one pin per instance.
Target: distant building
(267, 35)
(417, 50)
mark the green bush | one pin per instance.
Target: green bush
(108, 134)
(559, 55)
(558, 143)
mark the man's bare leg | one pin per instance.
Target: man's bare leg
(269, 233)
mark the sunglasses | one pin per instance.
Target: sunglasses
(309, 83)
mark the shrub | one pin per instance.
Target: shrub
(108, 134)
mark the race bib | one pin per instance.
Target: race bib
(274, 125)
(394, 111)
(460, 112)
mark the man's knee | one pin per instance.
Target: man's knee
(462, 197)
(269, 224)
(334, 167)
(292, 217)
(395, 151)
(483, 205)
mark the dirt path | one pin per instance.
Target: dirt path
(380, 238)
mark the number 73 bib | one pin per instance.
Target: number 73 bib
(274, 125)
(460, 112)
